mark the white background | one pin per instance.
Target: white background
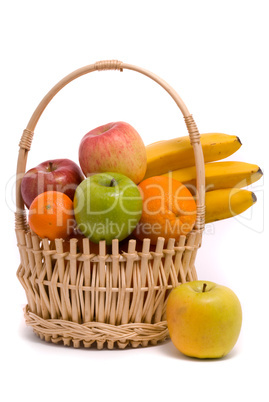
(215, 54)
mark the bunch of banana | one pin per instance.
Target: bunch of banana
(177, 153)
(227, 202)
(224, 180)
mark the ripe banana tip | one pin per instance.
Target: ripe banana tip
(260, 171)
(254, 198)
(238, 139)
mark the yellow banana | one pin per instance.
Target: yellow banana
(226, 203)
(219, 175)
(177, 153)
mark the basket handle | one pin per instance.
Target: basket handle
(27, 136)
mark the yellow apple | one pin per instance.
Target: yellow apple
(204, 319)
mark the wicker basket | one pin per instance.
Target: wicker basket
(111, 299)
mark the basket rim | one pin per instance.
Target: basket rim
(94, 332)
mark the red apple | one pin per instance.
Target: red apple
(61, 175)
(114, 147)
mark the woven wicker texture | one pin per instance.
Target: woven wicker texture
(114, 298)
(114, 289)
(72, 334)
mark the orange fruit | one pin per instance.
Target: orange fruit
(169, 209)
(51, 215)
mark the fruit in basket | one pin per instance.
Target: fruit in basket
(169, 209)
(51, 215)
(61, 175)
(204, 319)
(113, 147)
(226, 203)
(107, 206)
(177, 153)
(219, 175)
(94, 248)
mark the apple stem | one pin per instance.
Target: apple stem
(50, 169)
(112, 183)
(204, 286)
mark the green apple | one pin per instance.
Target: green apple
(204, 319)
(107, 206)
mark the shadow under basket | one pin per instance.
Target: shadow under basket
(107, 296)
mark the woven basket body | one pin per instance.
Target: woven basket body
(118, 296)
